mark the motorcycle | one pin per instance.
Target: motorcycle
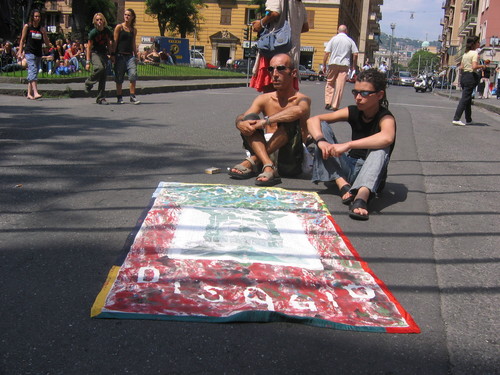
(424, 82)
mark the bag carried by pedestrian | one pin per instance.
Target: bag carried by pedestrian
(279, 40)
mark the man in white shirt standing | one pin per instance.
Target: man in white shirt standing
(336, 64)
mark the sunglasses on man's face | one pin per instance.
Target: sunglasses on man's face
(363, 93)
(279, 68)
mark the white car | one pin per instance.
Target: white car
(197, 59)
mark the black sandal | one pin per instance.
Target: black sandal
(343, 190)
(358, 203)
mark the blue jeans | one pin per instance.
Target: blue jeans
(359, 173)
(125, 63)
(33, 66)
(74, 61)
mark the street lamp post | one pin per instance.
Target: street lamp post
(393, 26)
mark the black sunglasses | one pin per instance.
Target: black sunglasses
(363, 93)
(279, 68)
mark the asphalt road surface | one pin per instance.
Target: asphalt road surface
(75, 177)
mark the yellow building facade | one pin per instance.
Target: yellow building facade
(221, 31)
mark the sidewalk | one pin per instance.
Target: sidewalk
(75, 88)
(491, 104)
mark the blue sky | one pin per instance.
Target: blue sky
(426, 17)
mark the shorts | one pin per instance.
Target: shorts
(33, 66)
(125, 63)
(290, 155)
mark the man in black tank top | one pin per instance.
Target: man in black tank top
(358, 167)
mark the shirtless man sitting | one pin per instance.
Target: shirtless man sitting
(285, 116)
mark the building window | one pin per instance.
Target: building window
(225, 16)
(250, 15)
(310, 19)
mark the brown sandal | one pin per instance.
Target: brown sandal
(245, 171)
(272, 177)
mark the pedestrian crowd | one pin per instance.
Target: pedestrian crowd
(67, 54)
(280, 136)
(287, 140)
(105, 48)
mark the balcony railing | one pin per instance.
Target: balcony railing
(467, 5)
(467, 26)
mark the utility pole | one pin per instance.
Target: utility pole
(393, 26)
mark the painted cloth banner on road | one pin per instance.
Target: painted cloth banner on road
(221, 253)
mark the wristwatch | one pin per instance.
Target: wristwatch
(267, 120)
(322, 139)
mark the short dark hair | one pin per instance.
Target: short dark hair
(378, 80)
(471, 41)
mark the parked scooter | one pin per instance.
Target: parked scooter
(424, 82)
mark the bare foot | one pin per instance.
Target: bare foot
(347, 196)
(30, 97)
(38, 96)
(360, 211)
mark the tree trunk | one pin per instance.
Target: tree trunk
(162, 26)
(80, 11)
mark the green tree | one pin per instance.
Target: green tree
(423, 60)
(15, 14)
(177, 16)
(262, 6)
(83, 12)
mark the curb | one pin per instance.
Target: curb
(110, 78)
(477, 103)
(67, 91)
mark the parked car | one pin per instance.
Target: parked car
(306, 73)
(197, 59)
(242, 65)
(402, 79)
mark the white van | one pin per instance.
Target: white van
(197, 59)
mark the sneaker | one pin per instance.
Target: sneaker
(458, 123)
(102, 101)
(134, 100)
(88, 88)
(469, 122)
(119, 100)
